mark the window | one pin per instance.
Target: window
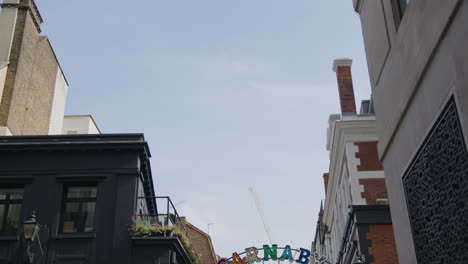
(402, 7)
(11, 200)
(399, 9)
(78, 209)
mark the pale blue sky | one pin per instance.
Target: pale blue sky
(230, 94)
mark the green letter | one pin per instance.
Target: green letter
(287, 254)
(269, 252)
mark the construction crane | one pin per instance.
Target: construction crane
(262, 216)
(260, 211)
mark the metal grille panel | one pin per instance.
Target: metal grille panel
(436, 186)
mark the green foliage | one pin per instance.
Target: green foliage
(141, 226)
(180, 233)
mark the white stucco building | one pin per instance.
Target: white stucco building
(356, 208)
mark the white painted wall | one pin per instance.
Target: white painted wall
(80, 124)
(58, 104)
(342, 133)
(3, 72)
(8, 17)
(93, 128)
(5, 131)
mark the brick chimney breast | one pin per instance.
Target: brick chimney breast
(342, 67)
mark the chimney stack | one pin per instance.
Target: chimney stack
(342, 67)
(325, 181)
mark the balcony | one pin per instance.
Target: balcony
(159, 234)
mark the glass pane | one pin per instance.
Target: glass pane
(9, 219)
(402, 6)
(2, 216)
(81, 192)
(13, 193)
(78, 217)
(13, 219)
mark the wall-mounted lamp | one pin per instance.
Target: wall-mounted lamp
(359, 260)
(31, 228)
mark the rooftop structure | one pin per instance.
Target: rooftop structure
(355, 211)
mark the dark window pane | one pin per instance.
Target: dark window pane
(402, 6)
(81, 192)
(78, 217)
(10, 211)
(11, 194)
(12, 219)
(2, 216)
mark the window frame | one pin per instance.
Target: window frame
(65, 200)
(7, 203)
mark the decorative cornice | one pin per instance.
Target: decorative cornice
(29, 6)
(34, 6)
(342, 130)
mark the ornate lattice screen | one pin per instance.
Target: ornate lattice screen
(436, 186)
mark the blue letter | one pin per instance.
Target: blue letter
(303, 256)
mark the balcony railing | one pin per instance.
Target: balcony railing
(162, 212)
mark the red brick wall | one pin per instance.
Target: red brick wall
(345, 89)
(383, 247)
(325, 180)
(373, 189)
(368, 156)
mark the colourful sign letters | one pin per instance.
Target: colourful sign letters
(271, 253)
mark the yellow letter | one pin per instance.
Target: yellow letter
(236, 259)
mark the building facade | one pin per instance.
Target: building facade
(354, 223)
(33, 87)
(90, 194)
(83, 190)
(418, 66)
(202, 243)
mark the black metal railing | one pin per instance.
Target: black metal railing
(162, 212)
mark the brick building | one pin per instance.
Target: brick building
(417, 61)
(33, 87)
(354, 223)
(202, 243)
